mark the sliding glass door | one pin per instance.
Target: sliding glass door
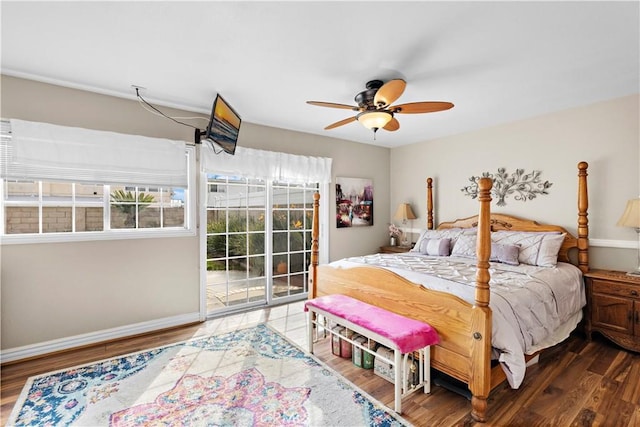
(292, 213)
(258, 241)
(236, 213)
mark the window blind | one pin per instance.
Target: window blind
(42, 151)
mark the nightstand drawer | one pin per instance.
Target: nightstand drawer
(614, 288)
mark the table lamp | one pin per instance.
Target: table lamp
(631, 218)
(404, 213)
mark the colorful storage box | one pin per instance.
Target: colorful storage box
(340, 347)
(361, 358)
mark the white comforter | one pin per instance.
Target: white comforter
(533, 307)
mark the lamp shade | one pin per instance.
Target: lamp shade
(631, 215)
(374, 119)
(404, 212)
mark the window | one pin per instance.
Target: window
(143, 207)
(39, 207)
(43, 207)
(59, 183)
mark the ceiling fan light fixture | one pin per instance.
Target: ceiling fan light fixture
(374, 119)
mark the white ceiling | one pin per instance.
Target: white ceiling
(496, 61)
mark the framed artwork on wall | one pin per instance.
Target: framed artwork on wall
(354, 202)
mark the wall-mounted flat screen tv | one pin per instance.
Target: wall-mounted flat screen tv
(224, 125)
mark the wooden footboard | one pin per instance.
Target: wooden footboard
(448, 314)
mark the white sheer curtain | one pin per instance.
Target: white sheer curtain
(252, 163)
(50, 152)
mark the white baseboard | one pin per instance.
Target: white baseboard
(32, 350)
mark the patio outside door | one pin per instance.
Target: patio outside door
(258, 242)
(235, 243)
(292, 215)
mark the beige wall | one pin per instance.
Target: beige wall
(54, 291)
(606, 135)
(57, 290)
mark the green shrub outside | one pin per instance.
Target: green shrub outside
(217, 244)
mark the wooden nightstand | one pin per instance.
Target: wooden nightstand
(613, 307)
(394, 249)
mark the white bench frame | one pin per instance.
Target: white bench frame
(400, 380)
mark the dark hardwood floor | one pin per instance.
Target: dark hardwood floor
(576, 383)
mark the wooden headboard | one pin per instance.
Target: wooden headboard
(507, 222)
(512, 223)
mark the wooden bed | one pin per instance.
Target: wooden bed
(465, 329)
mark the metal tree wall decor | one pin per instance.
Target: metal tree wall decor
(523, 186)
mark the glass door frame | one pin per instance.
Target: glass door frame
(202, 234)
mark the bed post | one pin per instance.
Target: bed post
(315, 235)
(480, 377)
(430, 204)
(583, 221)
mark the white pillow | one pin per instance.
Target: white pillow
(450, 233)
(465, 246)
(536, 248)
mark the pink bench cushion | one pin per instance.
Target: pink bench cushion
(407, 334)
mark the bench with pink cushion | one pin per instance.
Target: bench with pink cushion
(402, 335)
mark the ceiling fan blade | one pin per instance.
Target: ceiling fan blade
(333, 105)
(393, 125)
(421, 107)
(341, 123)
(389, 92)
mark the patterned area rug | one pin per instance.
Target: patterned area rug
(251, 377)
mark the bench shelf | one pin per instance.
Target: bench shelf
(361, 318)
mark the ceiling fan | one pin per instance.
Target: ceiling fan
(374, 106)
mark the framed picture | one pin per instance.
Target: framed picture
(354, 202)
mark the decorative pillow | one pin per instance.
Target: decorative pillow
(506, 254)
(465, 246)
(548, 253)
(435, 247)
(536, 248)
(450, 233)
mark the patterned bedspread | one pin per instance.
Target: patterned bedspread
(533, 307)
